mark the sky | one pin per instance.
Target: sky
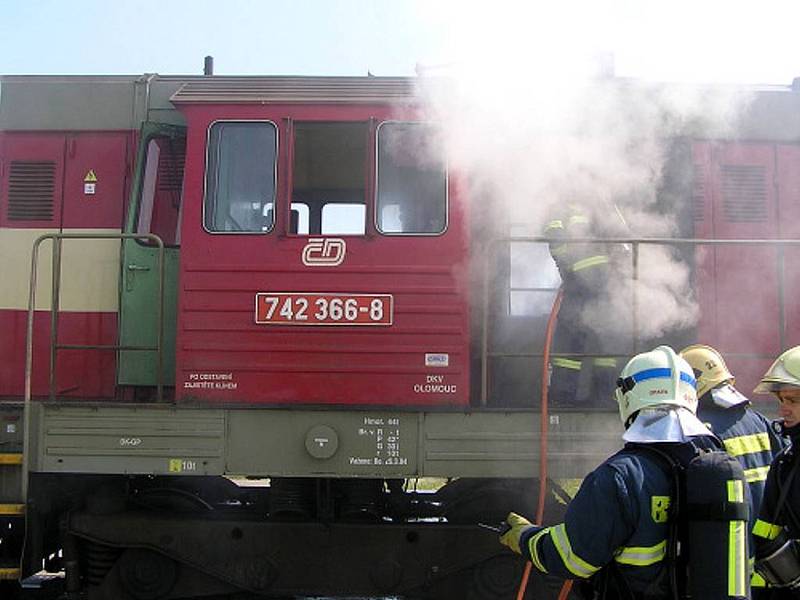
(694, 41)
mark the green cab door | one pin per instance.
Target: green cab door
(155, 208)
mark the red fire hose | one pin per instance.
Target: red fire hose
(543, 428)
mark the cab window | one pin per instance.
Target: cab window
(533, 276)
(328, 179)
(240, 177)
(411, 180)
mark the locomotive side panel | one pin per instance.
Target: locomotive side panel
(788, 191)
(745, 190)
(72, 182)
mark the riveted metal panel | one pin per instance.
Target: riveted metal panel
(315, 443)
(508, 444)
(60, 103)
(284, 442)
(148, 439)
(74, 103)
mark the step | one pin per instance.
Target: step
(11, 458)
(12, 510)
(9, 573)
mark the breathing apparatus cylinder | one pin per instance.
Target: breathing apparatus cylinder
(780, 563)
(716, 521)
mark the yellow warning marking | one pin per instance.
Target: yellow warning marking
(11, 459)
(90, 177)
(7, 574)
(12, 509)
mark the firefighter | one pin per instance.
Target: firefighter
(585, 269)
(616, 532)
(745, 433)
(777, 529)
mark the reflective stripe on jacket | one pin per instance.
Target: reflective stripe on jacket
(748, 437)
(619, 514)
(574, 257)
(769, 523)
(575, 364)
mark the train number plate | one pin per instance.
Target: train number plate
(281, 308)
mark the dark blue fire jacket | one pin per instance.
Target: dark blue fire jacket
(773, 521)
(618, 517)
(748, 436)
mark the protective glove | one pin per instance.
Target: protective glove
(517, 525)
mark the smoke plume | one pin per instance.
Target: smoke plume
(539, 122)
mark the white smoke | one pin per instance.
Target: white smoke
(536, 122)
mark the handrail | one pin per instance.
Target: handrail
(635, 243)
(57, 239)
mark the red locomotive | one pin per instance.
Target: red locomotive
(281, 278)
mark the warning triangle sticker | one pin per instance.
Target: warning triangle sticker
(90, 177)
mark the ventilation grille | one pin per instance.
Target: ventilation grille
(698, 194)
(744, 193)
(31, 188)
(221, 89)
(170, 167)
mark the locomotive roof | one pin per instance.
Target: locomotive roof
(106, 102)
(223, 89)
(86, 102)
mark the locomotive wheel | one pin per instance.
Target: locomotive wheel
(146, 575)
(472, 501)
(496, 579)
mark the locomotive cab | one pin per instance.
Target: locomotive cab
(321, 252)
(318, 277)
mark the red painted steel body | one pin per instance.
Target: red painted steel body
(313, 364)
(79, 373)
(739, 287)
(225, 356)
(108, 153)
(87, 319)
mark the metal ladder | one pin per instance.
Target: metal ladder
(15, 416)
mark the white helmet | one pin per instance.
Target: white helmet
(656, 378)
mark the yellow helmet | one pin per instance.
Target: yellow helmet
(784, 372)
(708, 365)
